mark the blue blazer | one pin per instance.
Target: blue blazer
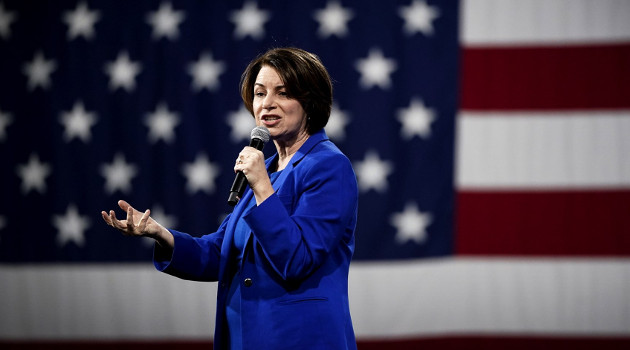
(294, 274)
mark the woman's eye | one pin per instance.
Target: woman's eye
(259, 94)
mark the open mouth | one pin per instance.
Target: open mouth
(270, 119)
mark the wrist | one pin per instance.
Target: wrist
(164, 238)
(263, 192)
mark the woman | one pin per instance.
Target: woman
(281, 257)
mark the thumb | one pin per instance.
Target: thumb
(124, 205)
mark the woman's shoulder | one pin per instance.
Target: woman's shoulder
(327, 151)
(324, 157)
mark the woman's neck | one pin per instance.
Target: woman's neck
(286, 150)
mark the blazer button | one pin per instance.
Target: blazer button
(248, 282)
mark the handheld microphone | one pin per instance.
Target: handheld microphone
(259, 136)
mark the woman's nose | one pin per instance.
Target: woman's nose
(269, 102)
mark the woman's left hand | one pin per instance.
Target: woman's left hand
(252, 163)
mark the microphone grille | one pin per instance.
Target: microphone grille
(260, 132)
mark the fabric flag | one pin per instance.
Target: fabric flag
(489, 138)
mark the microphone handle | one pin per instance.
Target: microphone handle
(240, 181)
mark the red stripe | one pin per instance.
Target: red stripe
(500, 343)
(544, 223)
(446, 343)
(570, 77)
(105, 345)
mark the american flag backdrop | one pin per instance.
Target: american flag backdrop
(490, 138)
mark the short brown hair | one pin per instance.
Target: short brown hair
(305, 79)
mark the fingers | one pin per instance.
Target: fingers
(115, 222)
(238, 167)
(124, 205)
(106, 218)
(249, 157)
(240, 163)
(130, 223)
(112, 221)
(109, 218)
(129, 226)
(249, 153)
(144, 219)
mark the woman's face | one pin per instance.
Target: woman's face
(283, 116)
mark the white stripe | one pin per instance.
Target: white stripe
(102, 302)
(481, 296)
(388, 299)
(524, 22)
(543, 150)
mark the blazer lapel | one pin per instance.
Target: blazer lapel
(228, 239)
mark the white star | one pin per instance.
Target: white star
(419, 17)
(71, 226)
(411, 224)
(333, 20)
(249, 21)
(118, 174)
(372, 172)
(201, 175)
(158, 214)
(335, 128)
(416, 120)
(165, 21)
(205, 72)
(122, 72)
(6, 18)
(161, 124)
(5, 120)
(33, 174)
(242, 123)
(77, 123)
(38, 71)
(81, 21)
(376, 70)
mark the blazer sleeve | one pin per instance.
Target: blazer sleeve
(297, 237)
(192, 258)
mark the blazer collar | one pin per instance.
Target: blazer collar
(311, 142)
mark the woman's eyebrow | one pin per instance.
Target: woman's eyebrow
(278, 87)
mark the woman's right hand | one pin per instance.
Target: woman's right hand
(138, 224)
